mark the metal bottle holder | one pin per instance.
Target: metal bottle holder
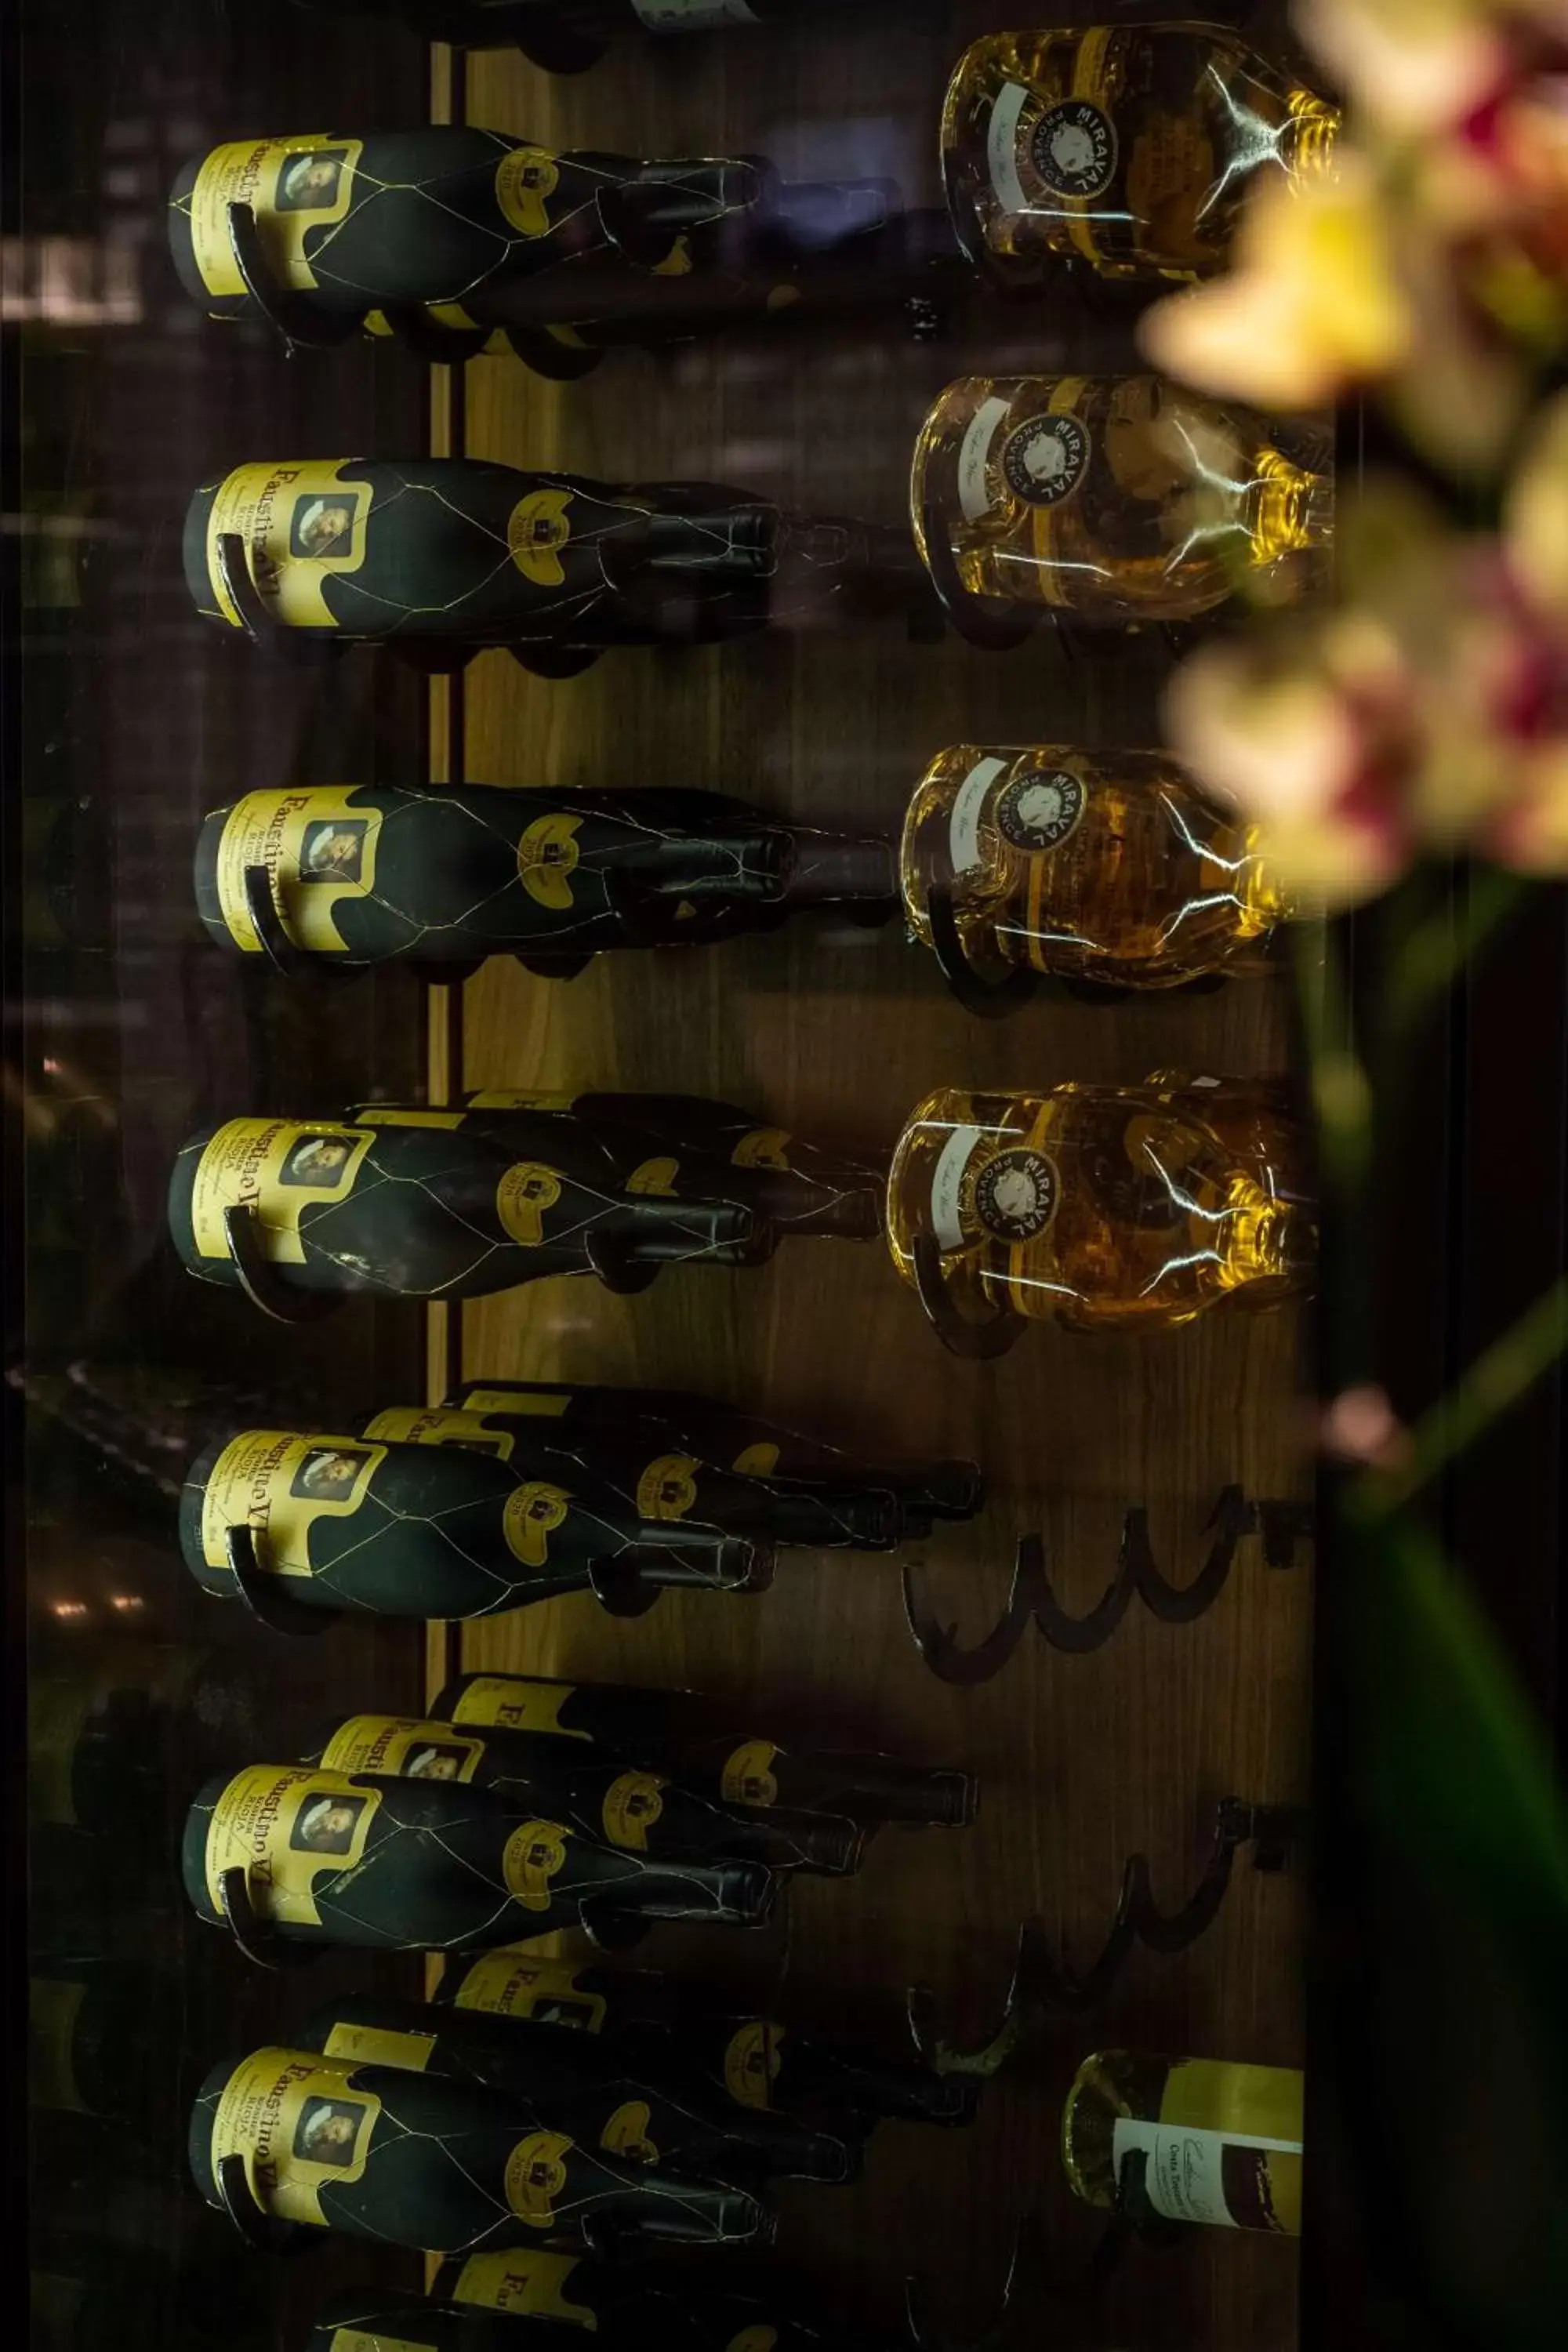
(979, 1339)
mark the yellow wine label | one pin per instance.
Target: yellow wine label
(404, 1746)
(531, 1859)
(395, 1115)
(359, 2339)
(524, 1198)
(511, 1099)
(534, 2284)
(756, 1461)
(276, 1166)
(547, 1405)
(654, 1176)
(53, 2009)
(759, 2337)
(297, 2125)
(668, 1487)
(285, 1827)
(300, 524)
(632, 1806)
(432, 1425)
(764, 1147)
(515, 1983)
(547, 858)
(280, 1482)
(748, 1776)
(627, 2133)
(532, 1514)
(513, 1703)
(536, 2177)
(540, 527)
(291, 184)
(1226, 2148)
(751, 2063)
(380, 2045)
(318, 848)
(526, 179)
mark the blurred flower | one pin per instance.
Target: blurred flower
(1416, 65)
(1361, 1425)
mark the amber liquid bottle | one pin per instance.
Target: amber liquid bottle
(1192, 2139)
(1109, 866)
(1114, 499)
(1131, 147)
(1101, 1208)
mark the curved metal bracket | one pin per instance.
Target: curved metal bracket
(557, 361)
(551, 967)
(555, 662)
(436, 345)
(259, 1278)
(1030, 2282)
(257, 1939)
(262, 1593)
(1032, 1599)
(549, 43)
(432, 656)
(620, 1591)
(267, 920)
(256, 617)
(617, 1269)
(988, 622)
(990, 1000)
(261, 2230)
(1043, 1983)
(611, 1928)
(301, 325)
(981, 1338)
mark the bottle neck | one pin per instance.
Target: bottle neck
(834, 869)
(1307, 146)
(1292, 509)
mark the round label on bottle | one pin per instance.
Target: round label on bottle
(757, 2338)
(764, 1147)
(1039, 809)
(1046, 459)
(536, 2177)
(625, 2133)
(533, 1512)
(533, 1858)
(1074, 149)
(632, 1806)
(547, 858)
(526, 179)
(668, 1487)
(751, 2063)
(749, 1777)
(1015, 1194)
(539, 528)
(524, 1198)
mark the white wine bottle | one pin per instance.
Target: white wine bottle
(1193, 2139)
(1114, 499)
(1131, 147)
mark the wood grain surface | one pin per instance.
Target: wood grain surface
(838, 1034)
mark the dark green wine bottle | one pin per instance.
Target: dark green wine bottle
(479, 2301)
(429, 1531)
(366, 874)
(659, 2023)
(419, 1865)
(676, 1733)
(575, 2084)
(423, 1211)
(421, 2160)
(103, 2030)
(597, 1797)
(732, 1439)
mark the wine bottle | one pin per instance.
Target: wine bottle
(101, 2029)
(680, 1734)
(1102, 1208)
(479, 2300)
(421, 1210)
(419, 1865)
(100, 1740)
(665, 2023)
(577, 2083)
(1117, 499)
(730, 1438)
(1112, 868)
(1132, 147)
(1194, 2139)
(378, 873)
(599, 1798)
(429, 1531)
(376, 548)
(420, 2161)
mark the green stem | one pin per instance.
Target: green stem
(1495, 1382)
(1341, 1094)
(1439, 946)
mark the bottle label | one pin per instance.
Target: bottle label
(419, 1426)
(534, 2284)
(655, 1177)
(53, 2009)
(510, 1101)
(1221, 2179)
(547, 858)
(276, 1166)
(531, 1859)
(300, 525)
(287, 1828)
(318, 848)
(280, 1483)
(1038, 810)
(757, 2338)
(532, 1514)
(751, 2063)
(402, 1748)
(693, 15)
(540, 527)
(748, 1776)
(627, 2133)
(298, 2126)
(947, 1187)
(524, 1197)
(756, 1461)
(379, 2045)
(632, 1807)
(1015, 1194)
(963, 824)
(1001, 145)
(507, 1983)
(526, 179)
(446, 1122)
(668, 1487)
(974, 459)
(1074, 149)
(360, 2339)
(291, 185)
(512, 1703)
(536, 2177)
(764, 1147)
(549, 1404)
(1044, 459)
